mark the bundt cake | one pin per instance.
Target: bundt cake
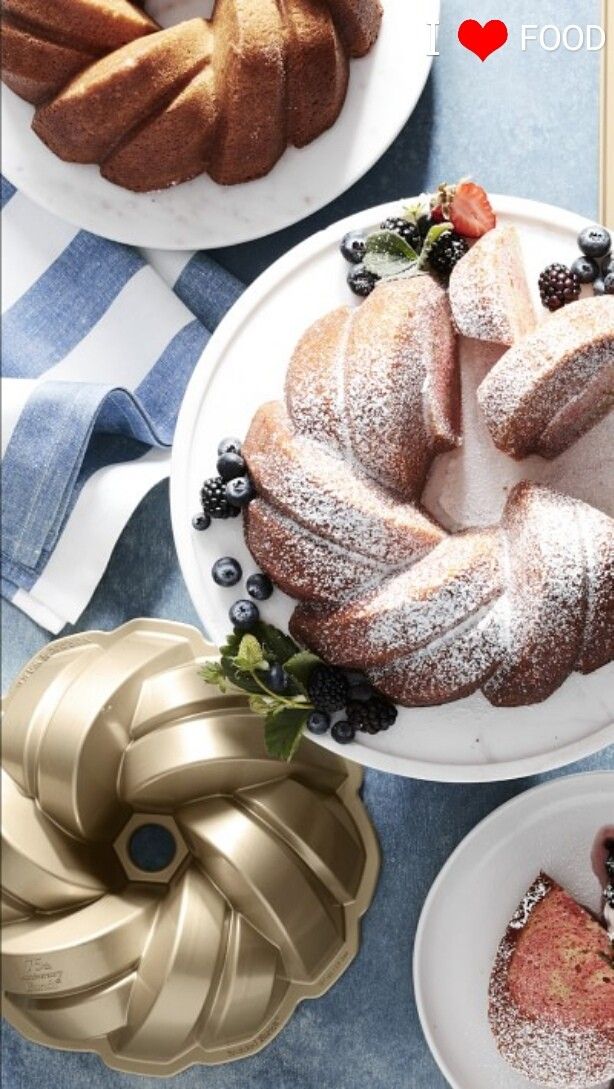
(156, 107)
(371, 397)
(553, 384)
(551, 1006)
(489, 293)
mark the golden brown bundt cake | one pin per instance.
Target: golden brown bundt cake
(371, 397)
(156, 107)
(555, 383)
(551, 995)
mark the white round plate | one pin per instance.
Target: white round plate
(244, 365)
(551, 828)
(384, 89)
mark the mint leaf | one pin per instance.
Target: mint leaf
(260, 705)
(277, 646)
(300, 665)
(250, 655)
(283, 730)
(387, 254)
(213, 673)
(432, 237)
(230, 649)
(239, 678)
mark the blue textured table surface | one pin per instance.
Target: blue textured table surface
(523, 123)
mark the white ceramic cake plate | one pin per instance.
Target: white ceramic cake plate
(552, 827)
(384, 89)
(244, 365)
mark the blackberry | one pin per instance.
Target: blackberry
(407, 230)
(327, 688)
(447, 252)
(214, 501)
(372, 716)
(558, 285)
(361, 281)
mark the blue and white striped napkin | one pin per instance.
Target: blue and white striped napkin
(99, 342)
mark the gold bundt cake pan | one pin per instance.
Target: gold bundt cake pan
(205, 960)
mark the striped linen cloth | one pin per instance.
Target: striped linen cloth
(98, 343)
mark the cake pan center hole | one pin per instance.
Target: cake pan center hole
(152, 847)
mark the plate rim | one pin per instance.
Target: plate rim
(513, 207)
(562, 783)
(40, 195)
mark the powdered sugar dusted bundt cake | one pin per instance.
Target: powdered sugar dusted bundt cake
(551, 1006)
(156, 107)
(489, 293)
(371, 397)
(555, 383)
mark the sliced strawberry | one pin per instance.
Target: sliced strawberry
(471, 212)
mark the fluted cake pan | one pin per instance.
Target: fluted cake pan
(198, 955)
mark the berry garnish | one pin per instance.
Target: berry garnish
(471, 212)
(595, 241)
(424, 224)
(230, 466)
(214, 499)
(372, 716)
(343, 732)
(361, 281)
(405, 228)
(276, 678)
(353, 246)
(240, 491)
(586, 269)
(599, 286)
(229, 446)
(318, 722)
(201, 522)
(327, 688)
(558, 285)
(608, 284)
(446, 252)
(259, 587)
(226, 572)
(244, 615)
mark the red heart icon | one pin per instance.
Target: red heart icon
(482, 40)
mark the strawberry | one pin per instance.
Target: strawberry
(471, 212)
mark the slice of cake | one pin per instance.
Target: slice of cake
(554, 384)
(551, 997)
(489, 293)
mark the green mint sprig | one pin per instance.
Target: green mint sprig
(244, 662)
(389, 256)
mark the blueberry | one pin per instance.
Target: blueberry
(244, 614)
(361, 281)
(608, 284)
(201, 521)
(229, 446)
(276, 678)
(586, 269)
(595, 241)
(353, 246)
(342, 732)
(259, 587)
(608, 267)
(599, 287)
(318, 722)
(226, 572)
(240, 491)
(230, 465)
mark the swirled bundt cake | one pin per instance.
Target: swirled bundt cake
(156, 107)
(553, 384)
(551, 994)
(371, 398)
